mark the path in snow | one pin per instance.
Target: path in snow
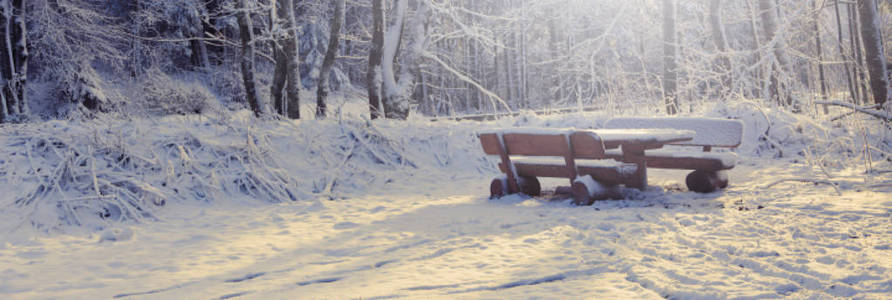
(449, 241)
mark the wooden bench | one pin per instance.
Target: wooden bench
(709, 167)
(535, 152)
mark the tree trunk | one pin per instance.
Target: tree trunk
(553, 46)
(721, 45)
(395, 99)
(757, 46)
(873, 51)
(330, 54)
(842, 52)
(855, 45)
(292, 55)
(373, 77)
(820, 51)
(280, 73)
(670, 75)
(768, 11)
(247, 57)
(198, 49)
(13, 60)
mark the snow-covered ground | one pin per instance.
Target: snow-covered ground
(400, 210)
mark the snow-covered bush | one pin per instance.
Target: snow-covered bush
(160, 94)
(70, 42)
(94, 173)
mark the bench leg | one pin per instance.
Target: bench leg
(582, 194)
(706, 181)
(635, 154)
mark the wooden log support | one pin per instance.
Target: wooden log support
(526, 184)
(498, 188)
(581, 194)
(706, 181)
(585, 195)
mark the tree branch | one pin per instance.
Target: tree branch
(875, 113)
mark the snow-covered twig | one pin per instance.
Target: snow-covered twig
(807, 180)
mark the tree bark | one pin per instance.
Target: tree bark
(670, 75)
(373, 77)
(247, 56)
(330, 54)
(873, 51)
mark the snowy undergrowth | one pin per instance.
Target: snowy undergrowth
(92, 174)
(837, 144)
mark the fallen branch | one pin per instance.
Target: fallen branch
(807, 180)
(875, 113)
(853, 112)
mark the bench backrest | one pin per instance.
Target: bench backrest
(710, 132)
(585, 145)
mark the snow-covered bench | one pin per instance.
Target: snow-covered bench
(709, 167)
(527, 153)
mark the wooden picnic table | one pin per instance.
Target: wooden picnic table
(633, 142)
(571, 144)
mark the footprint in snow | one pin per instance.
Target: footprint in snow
(116, 235)
(345, 225)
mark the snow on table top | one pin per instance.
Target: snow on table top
(643, 135)
(709, 131)
(607, 135)
(528, 130)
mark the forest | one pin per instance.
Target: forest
(421, 149)
(437, 58)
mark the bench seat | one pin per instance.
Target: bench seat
(684, 160)
(607, 171)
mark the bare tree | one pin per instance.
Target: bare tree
(373, 74)
(287, 71)
(873, 51)
(721, 44)
(13, 59)
(777, 89)
(293, 55)
(396, 102)
(670, 72)
(820, 52)
(331, 53)
(246, 32)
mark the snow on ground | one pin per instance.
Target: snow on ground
(408, 217)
